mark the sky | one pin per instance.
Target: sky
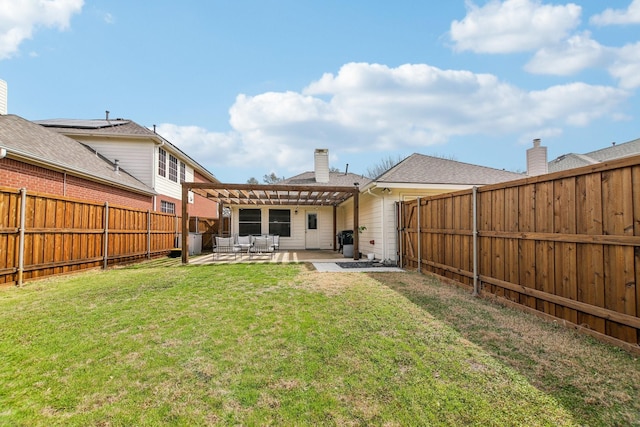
(251, 87)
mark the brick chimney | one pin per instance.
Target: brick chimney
(321, 163)
(537, 159)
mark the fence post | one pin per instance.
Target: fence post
(148, 233)
(419, 239)
(106, 235)
(475, 241)
(23, 208)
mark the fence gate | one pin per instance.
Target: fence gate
(409, 215)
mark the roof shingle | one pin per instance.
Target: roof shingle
(32, 141)
(423, 169)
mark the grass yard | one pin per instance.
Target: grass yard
(284, 345)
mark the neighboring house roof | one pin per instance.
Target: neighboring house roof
(423, 169)
(616, 151)
(32, 142)
(123, 128)
(336, 179)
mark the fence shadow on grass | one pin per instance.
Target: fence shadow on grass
(581, 373)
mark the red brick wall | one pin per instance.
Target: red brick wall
(202, 206)
(35, 178)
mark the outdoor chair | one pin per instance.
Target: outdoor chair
(245, 243)
(262, 245)
(276, 242)
(225, 245)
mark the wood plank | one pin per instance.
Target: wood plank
(619, 261)
(484, 243)
(466, 211)
(623, 240)
(545, 251)
(498, 244)
(526, 249)
(612, 315)
(591, 272)
(564, 221)
(511, 268)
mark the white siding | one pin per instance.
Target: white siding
(298, 225)
(378, 214)
(371, 216)
(137, 158)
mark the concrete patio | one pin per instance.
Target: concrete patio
(322, 260)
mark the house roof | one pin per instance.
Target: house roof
(123, 128)
(31, 142)
(423, 169)
(335, 179)
(616, 151)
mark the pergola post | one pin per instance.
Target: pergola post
(335, 228)
(356, 225)
(185, 225)
(220, 219)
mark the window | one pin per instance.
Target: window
(183, 172)
(249, 221)
(162, 162)
(280, 222)
(312, 221)
(173, 168)
(167, 207)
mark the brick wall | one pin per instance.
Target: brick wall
(35, 178)
(202, 206)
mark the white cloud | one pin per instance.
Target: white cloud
(569, 57)
(616, 16)
(18, 19)
(371, 107)
(513, 26)
(626, 67)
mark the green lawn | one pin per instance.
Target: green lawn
(285, 345)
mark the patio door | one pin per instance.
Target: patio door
(312, 237)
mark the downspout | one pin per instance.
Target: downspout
(475, 241)
(382, 228)
(23, 214)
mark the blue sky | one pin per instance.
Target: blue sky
(251, 87)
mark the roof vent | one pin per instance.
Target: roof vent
(116, 165)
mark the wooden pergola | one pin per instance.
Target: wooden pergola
(270, 195)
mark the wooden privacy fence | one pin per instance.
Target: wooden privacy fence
(43, 235)
(565, 244)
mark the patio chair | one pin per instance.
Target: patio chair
(262, 245)
(225, 245)
(245, 243)
(276, 242)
